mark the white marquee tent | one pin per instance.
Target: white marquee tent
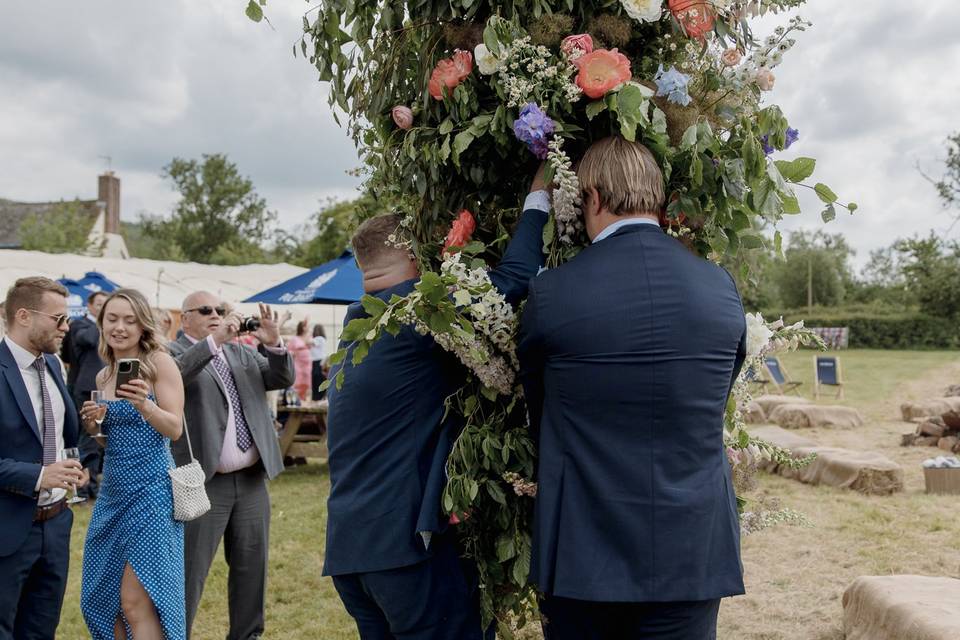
(166, 283)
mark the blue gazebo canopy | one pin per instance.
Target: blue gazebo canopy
(91, 282)
(336, 282)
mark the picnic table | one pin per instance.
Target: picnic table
(304, 433)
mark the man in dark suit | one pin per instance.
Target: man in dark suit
(628, 353)
(80, 351)
(37, 421)
(231, 431)
(394, 563)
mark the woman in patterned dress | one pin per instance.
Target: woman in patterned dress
(133, 582)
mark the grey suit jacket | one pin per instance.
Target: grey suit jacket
(206, 404)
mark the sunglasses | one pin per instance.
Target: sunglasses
(207, 310)
(60, 318)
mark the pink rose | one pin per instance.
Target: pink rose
(581, 41)
(731, 57)
(765, 79)
(460, 231)
(449, 73)
(601, 71)
(402, 116)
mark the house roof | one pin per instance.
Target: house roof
(12, 215)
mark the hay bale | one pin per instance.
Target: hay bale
(864, 471)
(805, 416)
(754, 414)
(770, 402)
(900, 607)
(948, 443)
(911, 411)
(930, 428)
(926, 441)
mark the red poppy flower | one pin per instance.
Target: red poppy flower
(460, 231)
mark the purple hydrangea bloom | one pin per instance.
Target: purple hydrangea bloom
(534, 128)
(792, 136)
(673, 85)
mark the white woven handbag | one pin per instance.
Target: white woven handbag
(190, 499)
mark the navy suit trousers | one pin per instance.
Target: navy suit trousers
(33, 580)
(567, 619)
(437, 599)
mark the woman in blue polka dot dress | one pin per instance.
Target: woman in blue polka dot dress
(133, 584)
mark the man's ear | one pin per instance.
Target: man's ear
(591, 204)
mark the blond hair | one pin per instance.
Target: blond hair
(372, 239)
(625, 175)
(149, 342)
(27, 293)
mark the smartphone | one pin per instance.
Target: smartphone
(127, 370)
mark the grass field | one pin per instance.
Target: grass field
(795, 576)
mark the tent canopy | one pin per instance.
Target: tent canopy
(91, 282)
(336, 282)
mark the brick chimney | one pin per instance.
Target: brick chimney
(108, 192)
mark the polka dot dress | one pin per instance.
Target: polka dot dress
(133, 523)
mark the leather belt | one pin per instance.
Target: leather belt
(48, 511)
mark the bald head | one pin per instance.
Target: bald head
(202, 314)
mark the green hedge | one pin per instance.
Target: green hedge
(905, 330)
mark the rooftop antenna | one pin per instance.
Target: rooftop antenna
(109, 162)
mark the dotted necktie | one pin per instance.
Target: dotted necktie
(49, 424)
(244, 438)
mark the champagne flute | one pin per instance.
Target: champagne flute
(73, 453)
(97, 396)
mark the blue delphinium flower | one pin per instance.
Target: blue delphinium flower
(673, 85)
(534, 127)
(792, 136)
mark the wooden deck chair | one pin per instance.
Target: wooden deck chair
(779, 377)
(826, 371)
(755, 380)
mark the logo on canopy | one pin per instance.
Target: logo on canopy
(307, 293)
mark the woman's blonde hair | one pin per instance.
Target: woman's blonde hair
(625, 175)
(149, 341)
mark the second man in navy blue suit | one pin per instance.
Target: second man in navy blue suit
(394, 563)
(628, 353)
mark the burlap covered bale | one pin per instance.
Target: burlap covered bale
(864, 471)
(925, 408)
(805, 416)
(770, 402)
(901, 608)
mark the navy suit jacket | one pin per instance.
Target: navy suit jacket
(386, 436)
(628, 353)
(21, 448)
(82, 342)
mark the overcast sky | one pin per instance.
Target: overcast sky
(872, 87)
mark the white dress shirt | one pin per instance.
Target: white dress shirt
(31, 380)
(620, 224)
(231, 457)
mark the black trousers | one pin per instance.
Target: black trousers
(568, 619)
(437, 599)
(316, 379)
(33, 580)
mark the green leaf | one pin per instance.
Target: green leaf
(796, 170)
(689, 139)
(505, 547)
(791, 206)
(445, 127)
(373, 305)
(360, 352)
(521, 566)
(829, 213)
(852, 207)
(445, 149)
(595, 108)
(825, 193)
(490, 39)
(254, 12)
(337, 356)
(498, 496)
(460, 144)
(549, 231)
(778, 243)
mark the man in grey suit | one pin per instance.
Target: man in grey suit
(232, 434)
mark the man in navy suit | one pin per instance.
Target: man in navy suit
(394, 563)
(628, 353)
(37, 421)
(81, 352)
